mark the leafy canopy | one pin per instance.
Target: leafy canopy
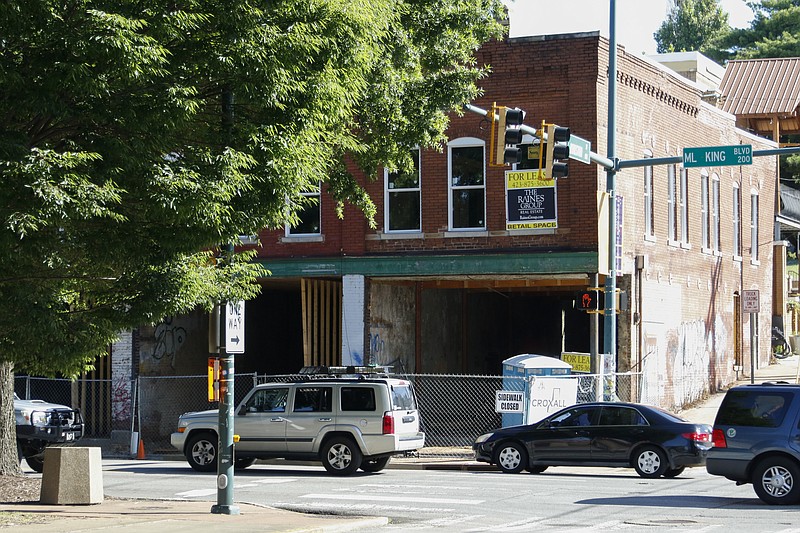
(773, 32)
(691, 25)
(135, 136)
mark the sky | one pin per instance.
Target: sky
(637, 20)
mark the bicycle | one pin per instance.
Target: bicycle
(781, 348)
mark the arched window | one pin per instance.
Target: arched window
(466, 163)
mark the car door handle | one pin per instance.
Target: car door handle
(324, 419)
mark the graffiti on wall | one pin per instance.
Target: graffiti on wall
(168, 340)
(121, 400)
(688, 354)
(376, 346)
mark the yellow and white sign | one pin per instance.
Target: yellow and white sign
(581, 362)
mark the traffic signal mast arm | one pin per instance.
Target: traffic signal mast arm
(595, 158)
(608, 164)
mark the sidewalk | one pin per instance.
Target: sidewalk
(191, 516)
(782, 370)
(176, 516)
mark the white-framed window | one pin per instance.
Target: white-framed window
(309, 219)
(753, 226)
(649, 200)
(672, 204)
(467, 184)
(403, 194)
(737, 220)
(715, 214)
(705, 209)
(684, 205)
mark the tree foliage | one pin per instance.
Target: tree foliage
(135, 136)
(691, 25)
(773, 32)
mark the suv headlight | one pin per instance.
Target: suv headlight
(37, 418)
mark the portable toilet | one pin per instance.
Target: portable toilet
(515, 371)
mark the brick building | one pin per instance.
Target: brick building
(446, 284)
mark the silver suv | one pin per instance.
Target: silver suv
(347, 423)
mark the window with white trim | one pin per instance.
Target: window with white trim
(684, 205)
(753, 226)
(403, 194)
(705, 210)
(308, 215)
(467, 184)
(672, 204)
(737, 220)
(715, 214)
(649, 201)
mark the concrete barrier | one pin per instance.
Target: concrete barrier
(72, 476)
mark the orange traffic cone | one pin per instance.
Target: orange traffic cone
(140, 451)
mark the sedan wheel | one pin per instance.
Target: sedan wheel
(511, 458)
(650, 462)
(777, 481)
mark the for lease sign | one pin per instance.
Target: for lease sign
(530, 200)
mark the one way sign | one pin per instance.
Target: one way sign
(234, 327)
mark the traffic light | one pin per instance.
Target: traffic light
(588, 300)
(509, 135)
(557, 148)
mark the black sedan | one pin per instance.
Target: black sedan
(649, 439)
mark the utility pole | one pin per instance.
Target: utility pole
(610, 311)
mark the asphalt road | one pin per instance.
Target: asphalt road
(561, 499)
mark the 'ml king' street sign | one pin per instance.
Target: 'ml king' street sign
(718, 156)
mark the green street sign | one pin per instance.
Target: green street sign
(718, 156)
(579, 149)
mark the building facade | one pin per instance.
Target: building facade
(451, 282)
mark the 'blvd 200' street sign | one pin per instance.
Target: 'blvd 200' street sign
(718, 156)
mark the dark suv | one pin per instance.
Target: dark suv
(757, 440)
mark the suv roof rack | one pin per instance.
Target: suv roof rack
(360, 372)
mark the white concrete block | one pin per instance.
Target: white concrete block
(72, 476)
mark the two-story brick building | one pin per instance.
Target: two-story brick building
(446, 283)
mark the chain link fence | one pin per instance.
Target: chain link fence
(453, 409)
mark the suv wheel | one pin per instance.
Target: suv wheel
(374, 465)
(776, 480)
(341, 456)
(650, 462)
(201, 452)
(511, 458)
(36, 462)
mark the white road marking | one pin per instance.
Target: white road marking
(440, 522)
(359, 507)
(197, 493)
(390, 499)
(276, 481)
(519, 525)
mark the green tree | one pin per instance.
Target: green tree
(773, 32)
(138, 135)
(691, 25)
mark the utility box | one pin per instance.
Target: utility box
(517, 369)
